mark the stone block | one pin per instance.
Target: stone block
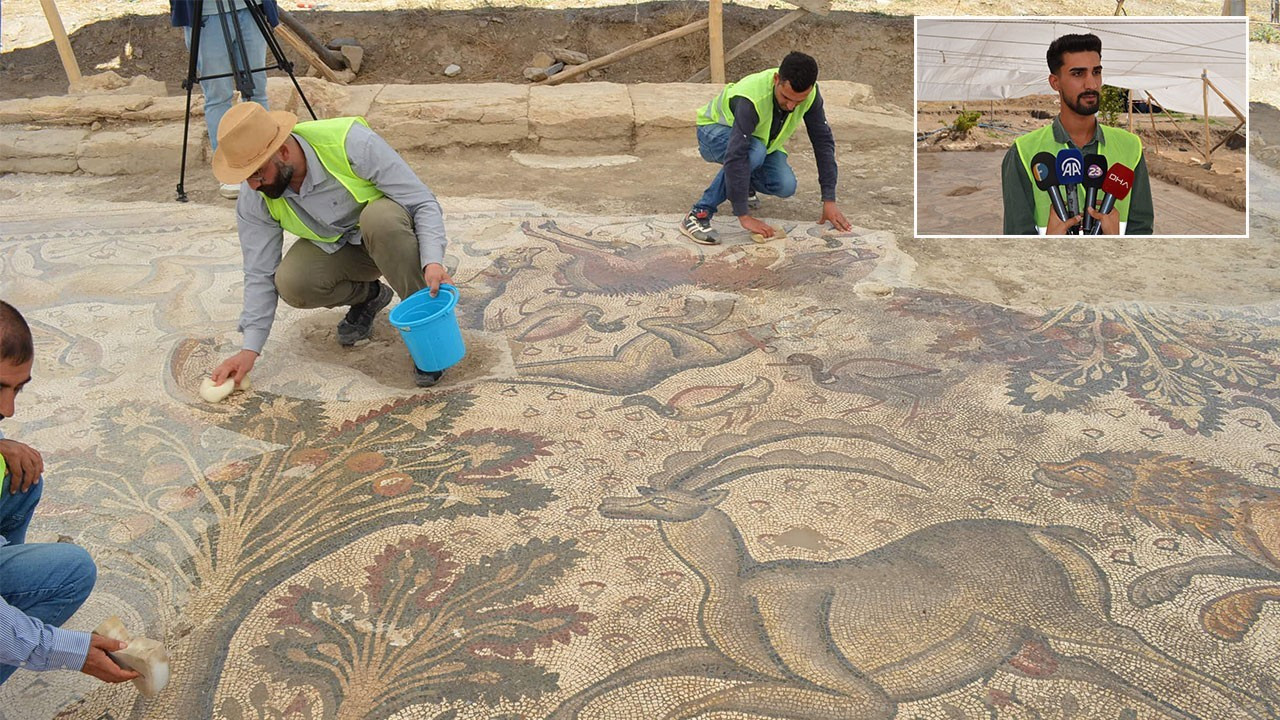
(432, 116)
(42, 150)
(598, 113)
(665, 113)
(169, 108)
(844, 94)
(144, 149)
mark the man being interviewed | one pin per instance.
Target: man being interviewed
(744, 129)
(1075, 73)
(359, 211)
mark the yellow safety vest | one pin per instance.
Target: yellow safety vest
(1117, 145)
(329, 139)
(758, 88)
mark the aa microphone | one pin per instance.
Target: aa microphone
(1095, 170)
(1070, 167)
(1047, 179)
(1115, 187)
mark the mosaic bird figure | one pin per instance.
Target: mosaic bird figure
(877, 378)
(735, 404)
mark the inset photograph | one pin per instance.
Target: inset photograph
(1081, 126)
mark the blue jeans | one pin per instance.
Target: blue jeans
(48, 581)
(213, 60)
(770, 173)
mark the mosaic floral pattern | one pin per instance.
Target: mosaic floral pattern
(423, 629)
(1186, 366)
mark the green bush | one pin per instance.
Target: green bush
(965, 122)
(1111, 105)
(1263, 32)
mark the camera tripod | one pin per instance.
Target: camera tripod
(233, 35)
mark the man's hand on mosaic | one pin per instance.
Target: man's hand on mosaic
(24, 463)
(756, 227)
(434, 274)
(1110, 222)
(832, 214)
(98, 664)
(236, 367)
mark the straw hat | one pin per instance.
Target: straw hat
(247, 135)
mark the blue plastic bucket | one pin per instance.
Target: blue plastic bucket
(430, 329)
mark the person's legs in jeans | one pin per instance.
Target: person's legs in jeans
(713, 144)
(16, 510)
(213, 60)
(774, 176)
(48, 581)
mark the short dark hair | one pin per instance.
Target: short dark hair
(798, 70)
(1068, 44)
(15, 336)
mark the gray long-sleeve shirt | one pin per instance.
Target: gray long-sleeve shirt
(328, 208)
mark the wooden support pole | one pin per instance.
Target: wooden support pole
(1130, 98)
(1174, 119)
(754, 40)
(1151, 115)
(310, 57)
(1227, 137)
(60, 39)
(715, 35)
(1204, 88)
(626, 52)
(1230, 105)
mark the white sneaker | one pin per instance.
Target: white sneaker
(230, 192)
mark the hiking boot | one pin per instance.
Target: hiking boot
(697, 226)
(753, 201)
(358, 324)
(426, 378)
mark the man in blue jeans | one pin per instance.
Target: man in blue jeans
(41, 584)
(744, 129)
(213, 59)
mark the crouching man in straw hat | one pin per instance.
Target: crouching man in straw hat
(360, 212)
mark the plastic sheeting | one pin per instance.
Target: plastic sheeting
(963, 59)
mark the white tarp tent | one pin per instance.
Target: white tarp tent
(992, 59)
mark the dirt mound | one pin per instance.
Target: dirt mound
(491, 44)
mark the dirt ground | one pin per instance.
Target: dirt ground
(414, 46)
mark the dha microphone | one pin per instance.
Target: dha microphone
(1070, 165)
(1047, 179)
(1095, 169)
(1115, 187)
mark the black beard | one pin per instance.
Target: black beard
(1081, 109)
(284, 175)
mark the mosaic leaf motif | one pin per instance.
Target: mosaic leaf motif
(280, 491)
(1186, 366)
(422, 629)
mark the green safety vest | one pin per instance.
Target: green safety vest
(329, 139)
(758, 88)
(1117, 145)
(4, 472)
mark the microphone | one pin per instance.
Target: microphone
(1047, 179)
(1070, 172)
(1115, 187)
(1095, 169)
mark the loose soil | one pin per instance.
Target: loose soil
(414, 46)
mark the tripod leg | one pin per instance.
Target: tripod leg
(190, 83)
(259, 17)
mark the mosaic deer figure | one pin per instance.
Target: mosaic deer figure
(852, 639)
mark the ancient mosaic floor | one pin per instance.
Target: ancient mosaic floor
(752, 481)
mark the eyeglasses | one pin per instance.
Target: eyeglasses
(257, 175)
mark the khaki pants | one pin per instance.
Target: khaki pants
(309, 277)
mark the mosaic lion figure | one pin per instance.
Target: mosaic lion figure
(1183, 495)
